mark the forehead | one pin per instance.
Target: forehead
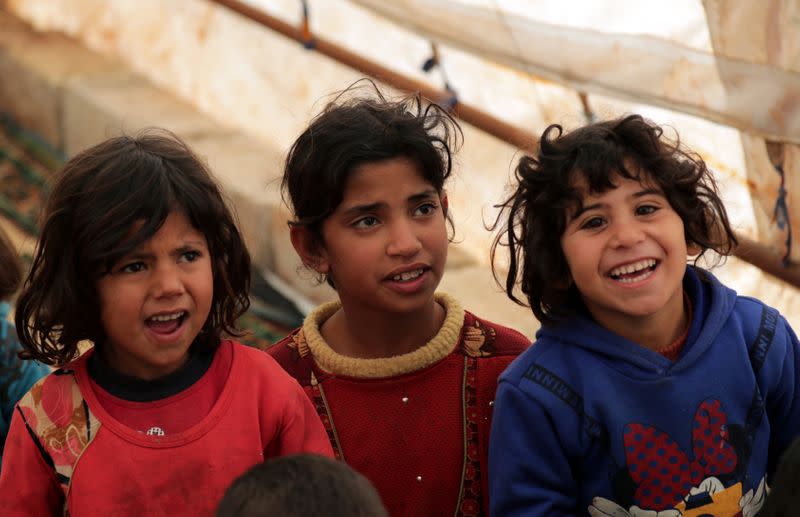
(377, 181)
(176, 228)
(582, 189)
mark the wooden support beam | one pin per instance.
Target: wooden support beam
(496, 127)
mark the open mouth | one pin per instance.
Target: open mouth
(635, 272)
(166, 323)
(409, 276)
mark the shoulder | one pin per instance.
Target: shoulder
(757, 321)
(483, 338)
(55, 397)
(264, 367)
(763, 328)
(546, 353)
(292, 354)
(286, 350)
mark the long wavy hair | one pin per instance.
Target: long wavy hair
(533, 218)
(99, 198)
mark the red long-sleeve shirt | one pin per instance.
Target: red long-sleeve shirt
(260, 412)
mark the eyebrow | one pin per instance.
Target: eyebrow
(635, 195)
(372, 207)
(183, 248)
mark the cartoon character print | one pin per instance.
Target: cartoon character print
(669, 483)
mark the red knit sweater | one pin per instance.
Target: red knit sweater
(416, 425)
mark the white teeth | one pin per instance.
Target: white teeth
(630, 280)
(632, 268)
(167, 317)
(408, 275)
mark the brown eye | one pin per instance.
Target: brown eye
(592, 222)
(190, 256)
(133, 267)
(425, 209)
(366, 222)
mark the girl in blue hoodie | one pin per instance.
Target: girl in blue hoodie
(651, 388)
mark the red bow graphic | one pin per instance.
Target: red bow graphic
(663, 473)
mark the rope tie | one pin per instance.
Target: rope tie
(433, 62)
(305, 29)
(780, 214)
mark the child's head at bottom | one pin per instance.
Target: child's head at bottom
(139, 254)
(607, 215)
(303, 485)
(366, 182)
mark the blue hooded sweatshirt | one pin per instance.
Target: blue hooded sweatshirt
(588, 422)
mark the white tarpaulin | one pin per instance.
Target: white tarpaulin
(687, 64)
(762, 98)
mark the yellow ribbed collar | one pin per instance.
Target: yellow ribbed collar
(434, 350)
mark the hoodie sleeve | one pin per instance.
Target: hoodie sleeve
(780, 381)
(529, 472)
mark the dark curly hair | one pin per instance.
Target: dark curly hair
(98, 198)
(360, 127)
(533, 219)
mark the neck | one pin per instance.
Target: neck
(368, 334)
(654, 332)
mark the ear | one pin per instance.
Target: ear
(310, 252)
(693, 249)
(445, 202)
(564, 283)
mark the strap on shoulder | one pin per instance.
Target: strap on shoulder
(59, 422)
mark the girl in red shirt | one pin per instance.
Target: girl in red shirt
(140, 256)
(402, 376)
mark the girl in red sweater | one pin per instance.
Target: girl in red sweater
(140, 256)
(402, 376)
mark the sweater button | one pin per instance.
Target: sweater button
(405, 400)
(419, 479)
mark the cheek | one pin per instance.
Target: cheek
(205, 284)
(119, 316)
(570, 248)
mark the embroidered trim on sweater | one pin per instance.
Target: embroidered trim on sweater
(434, 350)
(470, 498)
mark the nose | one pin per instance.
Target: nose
(403, 239)
(167, 282)
(626, 234)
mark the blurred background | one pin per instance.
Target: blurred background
(239, 80)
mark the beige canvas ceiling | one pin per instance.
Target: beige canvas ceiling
(725, 75)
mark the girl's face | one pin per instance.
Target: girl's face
(156, 300)
(386, 243)
(626, 252)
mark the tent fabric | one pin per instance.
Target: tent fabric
(754, 96)
(766, 33)
(750, 81)
(259, 82)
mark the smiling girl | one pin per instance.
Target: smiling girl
(402, 376)
(651, 389)
(140, 256)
